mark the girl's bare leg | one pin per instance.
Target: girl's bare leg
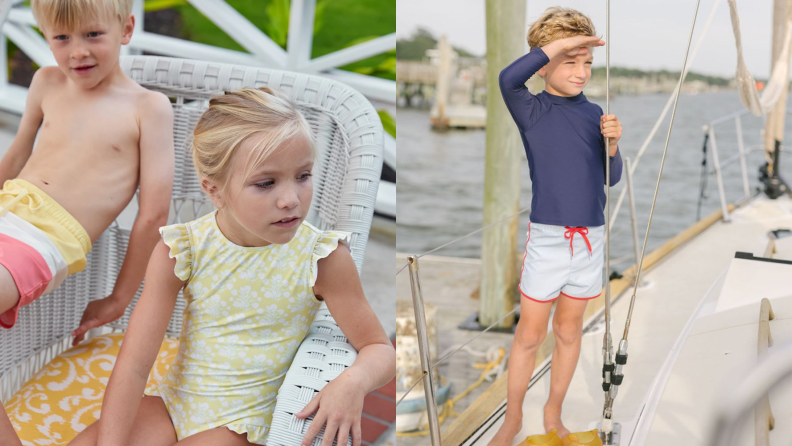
(567, 329)
(153, 427)
(531, 331)
(217, 436)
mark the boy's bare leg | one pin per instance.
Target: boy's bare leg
(9, 294)
(152, 427)
(567, 329)
(531, 331)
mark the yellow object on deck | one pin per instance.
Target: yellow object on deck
(588, 438)
(549, 439)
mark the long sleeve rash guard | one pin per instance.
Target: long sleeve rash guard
(564, 145)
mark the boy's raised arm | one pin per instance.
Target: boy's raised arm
(156, 184)
(19, 151)
(520, 102)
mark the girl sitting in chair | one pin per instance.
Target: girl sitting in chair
(254, 272)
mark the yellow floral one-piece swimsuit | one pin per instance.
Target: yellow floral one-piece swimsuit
(248, 310)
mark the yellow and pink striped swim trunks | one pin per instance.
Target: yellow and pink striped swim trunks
(40, 243)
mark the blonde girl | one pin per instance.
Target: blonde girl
(254, 273)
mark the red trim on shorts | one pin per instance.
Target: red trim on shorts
(537, 300)
(519, 287)
(581, 298)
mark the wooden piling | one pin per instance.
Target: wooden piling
(505, 43)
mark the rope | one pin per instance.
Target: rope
(449, 354)
(610, 388)
(494, 365)
(660, 175)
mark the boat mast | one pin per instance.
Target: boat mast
(774, 126)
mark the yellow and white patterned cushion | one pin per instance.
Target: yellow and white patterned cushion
(65, 396)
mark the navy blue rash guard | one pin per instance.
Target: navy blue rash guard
(565, 148)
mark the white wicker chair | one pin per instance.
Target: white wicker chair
(346, 177)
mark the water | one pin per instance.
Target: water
(441, 175)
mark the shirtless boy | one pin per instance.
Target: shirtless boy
(100, 137)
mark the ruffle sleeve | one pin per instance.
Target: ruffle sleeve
(177, 237)
(325, 244)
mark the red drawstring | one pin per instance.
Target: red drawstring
(570, 234)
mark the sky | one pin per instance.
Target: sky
(645, 34)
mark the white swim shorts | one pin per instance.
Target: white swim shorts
(562, 260)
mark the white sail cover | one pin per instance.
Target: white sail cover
(779, 78)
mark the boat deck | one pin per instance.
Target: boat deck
(674, 288)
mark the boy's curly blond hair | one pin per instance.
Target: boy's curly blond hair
(559, 23)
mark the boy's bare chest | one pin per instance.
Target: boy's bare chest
(96, 128)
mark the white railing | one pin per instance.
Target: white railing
(742, 153)
(17, 23)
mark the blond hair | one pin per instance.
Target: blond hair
(267, 115)
(72, 14)
(559, 23)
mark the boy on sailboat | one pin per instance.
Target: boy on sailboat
(564, 138)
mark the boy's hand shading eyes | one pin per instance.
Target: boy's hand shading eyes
(611, 128)
(338, 406)
(573, 46)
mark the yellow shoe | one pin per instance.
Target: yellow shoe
(550, 439)
(588, 438)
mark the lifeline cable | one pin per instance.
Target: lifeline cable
(607, 344)
(621, 355)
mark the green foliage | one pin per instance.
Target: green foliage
(337, 24)
(385, 67)
(277, 27)
(156, 5)
(388, 123)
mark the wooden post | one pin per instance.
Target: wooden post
(505, 43)
(444, 75)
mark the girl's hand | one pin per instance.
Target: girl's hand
(611, 128)
(340, 406)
